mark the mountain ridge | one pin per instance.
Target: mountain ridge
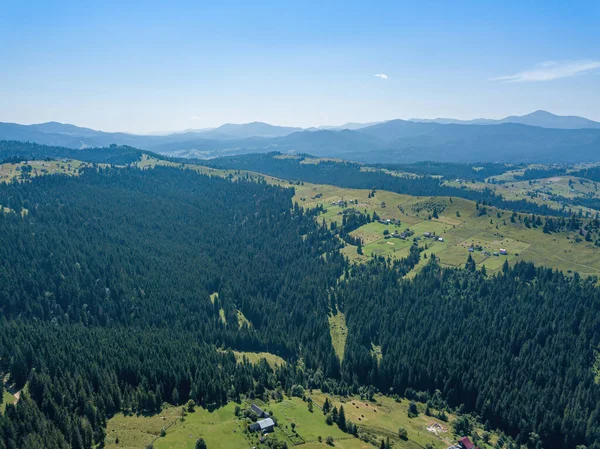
(540, 118)
(390, 141)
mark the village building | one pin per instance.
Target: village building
(503, 251)
(264, 426)
(465, 443)
(259, 412)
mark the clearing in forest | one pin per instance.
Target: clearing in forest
(339, 333)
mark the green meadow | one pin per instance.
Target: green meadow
(378, 419)
(460, 224)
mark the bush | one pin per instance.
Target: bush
(462, 426)
(403, 433)
(413, 411)
(329, 440)
(297, 390)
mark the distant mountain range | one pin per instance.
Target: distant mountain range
(536, 137)
(542, 119)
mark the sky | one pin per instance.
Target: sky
(163, 66)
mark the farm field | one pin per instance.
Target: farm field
(221, 428)
(460, 225)
(543, 191)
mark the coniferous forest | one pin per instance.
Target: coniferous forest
(121, 289)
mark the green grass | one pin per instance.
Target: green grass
(339, 333)
(7, 398)
(255, 357)
(10, 171)
(241, 318)
(310, 425)
(559, 251)
(221, 429)
(541, 191)
(376, 351)
(137, 431)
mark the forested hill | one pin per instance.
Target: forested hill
(353, 175)
(105, 292)
(121, 289)
(519, 348)
(18, 151)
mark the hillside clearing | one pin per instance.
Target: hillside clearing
(339, 333)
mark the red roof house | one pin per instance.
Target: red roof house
(466, 443)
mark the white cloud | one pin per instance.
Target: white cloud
(195, 117)
(383, 76)
(551, 70)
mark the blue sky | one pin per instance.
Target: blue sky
(155, 66)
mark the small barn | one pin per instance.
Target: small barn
(465, 443)
(264, 426)
(259, 411)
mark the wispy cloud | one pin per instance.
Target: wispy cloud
(383, 76)
(196, 117)
(551, 70)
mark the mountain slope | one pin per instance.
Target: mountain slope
(539, 118)
(392, 141)
(508, 142)
(245, 130)
(548, 120)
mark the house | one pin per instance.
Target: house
(427, 234)
(465, 443)
(264, 425)
(259, 412)
(471, 249)
(440, 239)
(503, 251)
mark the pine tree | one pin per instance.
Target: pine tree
(341, 421)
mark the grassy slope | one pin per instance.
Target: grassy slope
(7, 398)
(222, 430)
(9, 171)
(558, 251)
(255, 357)
(339, 333)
